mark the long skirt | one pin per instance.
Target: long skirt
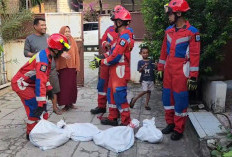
(68, 86)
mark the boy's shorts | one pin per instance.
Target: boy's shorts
(147, 85)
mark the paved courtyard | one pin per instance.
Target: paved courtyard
(14, 143)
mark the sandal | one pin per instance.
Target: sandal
(131, 105)
(147, 108)
(57, 111)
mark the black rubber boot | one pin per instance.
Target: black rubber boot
(27, 137)
(106, 121)
(169, 128)
(98, 110)
(176, 136)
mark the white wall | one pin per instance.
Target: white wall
(62, 6)
(214, 95)
(135, 57)
(14, 52)
(55, 21)
(104, 23)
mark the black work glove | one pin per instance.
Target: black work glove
(50, 94)
(39, 110)
(192, 84)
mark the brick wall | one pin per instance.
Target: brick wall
(110, 4)
(87, 3)
(50, 6)
(62, 6)
(46, 7)
(12, 8)
(129, 5)
(36, 9)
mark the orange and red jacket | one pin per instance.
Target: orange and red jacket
(111, 36)
(121, 52)
(35, 73)
(184, 43)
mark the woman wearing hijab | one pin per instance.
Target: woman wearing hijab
(67, 69)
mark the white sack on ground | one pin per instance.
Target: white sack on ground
(148, 132)
(117, 139)
(47, 135)
(82, 131)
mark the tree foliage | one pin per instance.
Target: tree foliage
(213, 18)
(90, 13)
(32, 3)
(12, 25)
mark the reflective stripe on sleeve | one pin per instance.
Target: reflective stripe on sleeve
(162, 61)
(110, 36)
(194, 69)
(40, 98)
(169, 38)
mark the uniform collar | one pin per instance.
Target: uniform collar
(48, 55)
(186, 26)
(125, 31)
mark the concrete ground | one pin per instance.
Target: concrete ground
(14, 143)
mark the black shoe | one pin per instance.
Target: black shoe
(176, 136)
(169, 128)
(106, 121)
(98, 110)
(27, 137)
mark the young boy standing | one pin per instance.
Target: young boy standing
(146, 68)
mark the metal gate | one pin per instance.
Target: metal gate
(74, 20)
(3, 79)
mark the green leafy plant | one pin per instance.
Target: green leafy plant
(228, 154)
(224, 151)
(1, 50)
(12, 25)
(213, 18)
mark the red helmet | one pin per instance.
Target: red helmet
(58, 41)
(178, 6)
(118, 8)
(123, 15)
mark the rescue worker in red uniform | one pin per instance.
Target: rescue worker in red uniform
(31, 82)
(119, 62)
(179, 60)
(108, 43)
(108, 40)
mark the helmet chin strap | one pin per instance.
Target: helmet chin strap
(56, 55)
(117, 26)
(175, 19)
